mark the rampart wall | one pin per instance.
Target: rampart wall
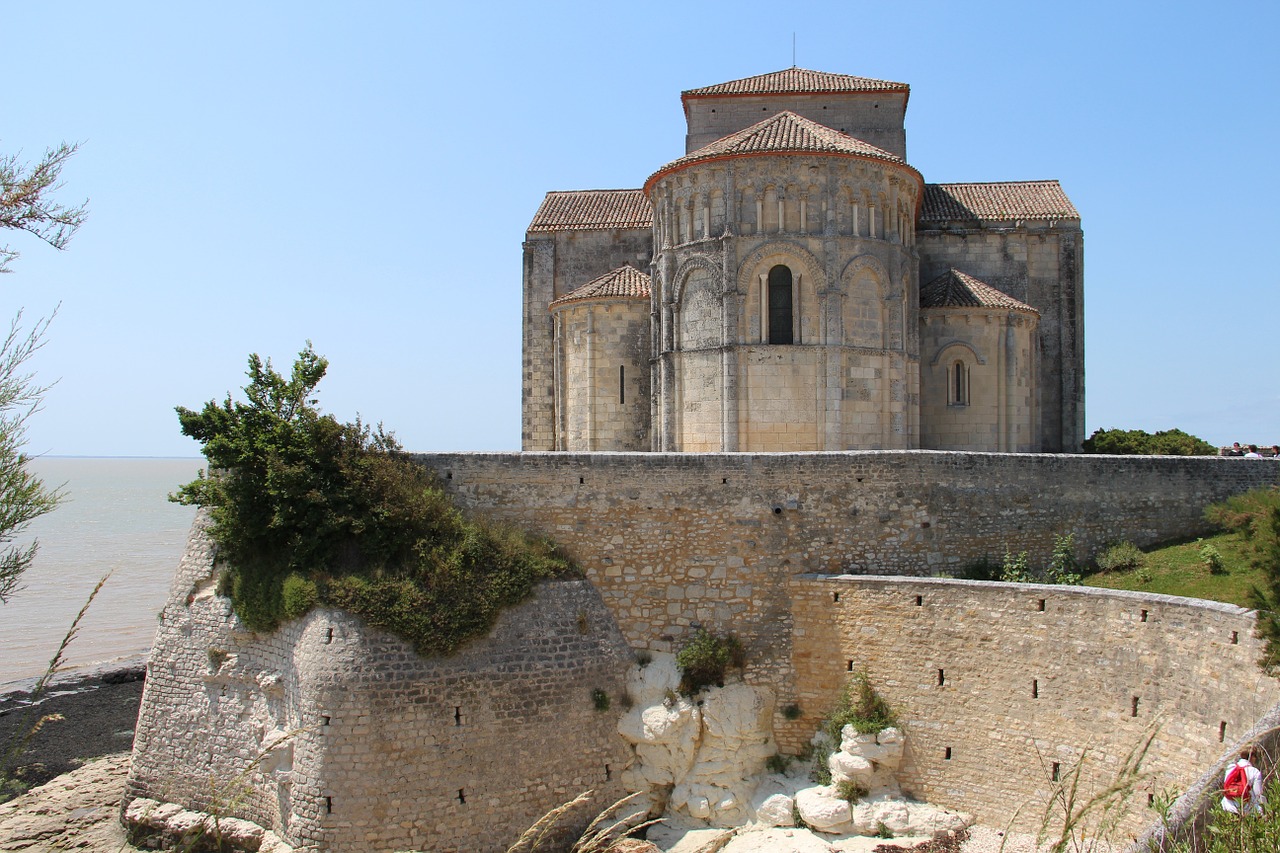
(340, 738)
(1004, 687)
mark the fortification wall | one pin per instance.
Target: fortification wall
(1000, 686)
(678, 540)
(340, 736)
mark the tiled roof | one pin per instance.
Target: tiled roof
(622, 283)
(593, 210)
(781, 133)
(1008, 200)
(796, 81)
(954, 289)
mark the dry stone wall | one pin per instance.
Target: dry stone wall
(1004, 688)
(339, 736)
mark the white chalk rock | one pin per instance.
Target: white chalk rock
(926, 819)
(893, 814)
(850, 768)
(821, 809)
(775, 810)
(656, 680)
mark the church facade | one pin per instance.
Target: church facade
(792, 284)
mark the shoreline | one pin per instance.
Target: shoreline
(90, 712)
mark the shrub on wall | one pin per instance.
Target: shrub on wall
(308, 511)
(1136, 442)
(705, 659)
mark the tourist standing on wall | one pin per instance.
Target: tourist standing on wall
(1242, 786)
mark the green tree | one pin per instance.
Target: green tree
(26, 204)
(307, 511)
(1136, 442)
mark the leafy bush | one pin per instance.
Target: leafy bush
(1120, 557)
(1063, 567)
(1212, 558)
(851, 790)
(705, 658)
(984, 569)
(600, 700)
(1136, 442)
(859, 706)
(778, 763)
(1016, 568)
(307, 511)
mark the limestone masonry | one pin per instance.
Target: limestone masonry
(792, 283)
(758, 421)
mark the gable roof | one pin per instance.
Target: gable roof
(782, 133)
(954, 289)
(1002, 200)
(622, 283)
(593, 210)
(795, 81)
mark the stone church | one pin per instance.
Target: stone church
(792, 284)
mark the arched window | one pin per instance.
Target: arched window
(958, 382)
(780, 302)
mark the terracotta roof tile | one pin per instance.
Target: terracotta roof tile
(781, 133)
(1007, 200)
(796, 81)
(954, 289)
(622, 283)
(593, 210)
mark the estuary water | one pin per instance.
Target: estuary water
(115, 518)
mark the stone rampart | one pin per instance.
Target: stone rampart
(340, 738)
(1004, 688)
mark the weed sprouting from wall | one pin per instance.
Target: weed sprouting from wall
(705, 660)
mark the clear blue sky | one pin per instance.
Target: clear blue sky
(361, 175)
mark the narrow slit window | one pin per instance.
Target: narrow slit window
(1235, 638)
(1035, 688)
(1222, 731)
(781, 300)
(622, 384)
(1057, 771)
(919, 601)
(850, 666)
(1143, 618)
(942, 678)
(958, 382)
(946, 755)
(835, 597)
(1042, 605)
(1133, 708)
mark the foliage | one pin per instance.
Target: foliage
(1212, 558)
(1063, 567)
(308, 511)
(1177, 569)
(704, 660)
(1016, 568)
(985, 569)
(851, 790)
(860, 706)
(1233, 833)
(792, 711)
(600, 700)
(1136, 442)
(778, 763)
(1120, 557)
(26, 203)
(23, 496)
(1255, 516)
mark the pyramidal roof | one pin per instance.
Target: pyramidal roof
(954, 289)
(622, 283)
(796, 81)
(781, 133)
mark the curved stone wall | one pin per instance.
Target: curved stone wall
(339, 736)
(1002, 688)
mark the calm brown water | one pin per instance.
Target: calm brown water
(115, 519)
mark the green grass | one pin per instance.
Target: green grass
(1179, 570)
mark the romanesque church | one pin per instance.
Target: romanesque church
(792, 284)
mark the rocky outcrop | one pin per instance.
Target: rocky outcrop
(706, 756)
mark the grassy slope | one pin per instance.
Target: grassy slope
(1179, 570)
